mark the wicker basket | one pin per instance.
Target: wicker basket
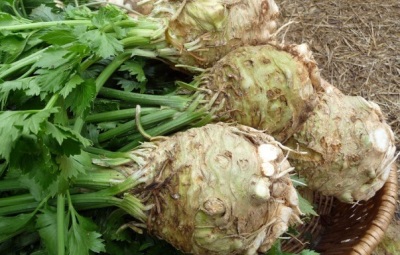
(347, 229)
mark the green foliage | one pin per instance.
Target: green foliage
(120, 239)
(82, 237)
(46, 224)
(11, 47)
(136, 78)
(44, 13)
(103, 44)
(12, 226)
(306, 207)
(48, 78)
(84, 93)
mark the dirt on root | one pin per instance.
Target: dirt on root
(357, 47)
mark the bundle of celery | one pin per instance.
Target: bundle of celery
(80, 88)
(53, 71)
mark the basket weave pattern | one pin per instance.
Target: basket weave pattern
(347, 229)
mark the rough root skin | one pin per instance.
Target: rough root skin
(211, 194)
(266, 87)
(349, 145)
(203, 31)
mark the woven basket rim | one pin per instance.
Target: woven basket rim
(387, 207)
(348, 229)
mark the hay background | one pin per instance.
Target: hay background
(357, 46)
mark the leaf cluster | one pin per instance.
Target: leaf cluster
(49, 71)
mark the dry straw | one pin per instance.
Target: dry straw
(357, 46)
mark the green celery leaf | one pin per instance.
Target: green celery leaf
(11, 47)
(35, 189)
(52, 81)
(74, 165)
(305, 206)
(33, 122)
(95, 242)
(10, 20)
(276, 249)
(33, 158)
(45, 175)
(120, 32)
(71, 84)
(46, 224)
(104, 126)
(29, 85)
(81, 50)
(9, 131)
(103, 44)
(121, 240)
(86, 223)
(31, 5)
(34, 43)
(81, 12)
(54, 57)
(69, 146)
(62, 134)
(83, 238)
(45, 13)
(12, 226)
(59, 37)
(56, 67)
(81, 98)
(92, 133)
(131, 85)
(135, 68)
(107, 15)
(62, 116)
(58, 132)
(93, 71)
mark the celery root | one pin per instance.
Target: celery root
(218, 189)
(268, 87)
(203, 31)
(350, 147)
